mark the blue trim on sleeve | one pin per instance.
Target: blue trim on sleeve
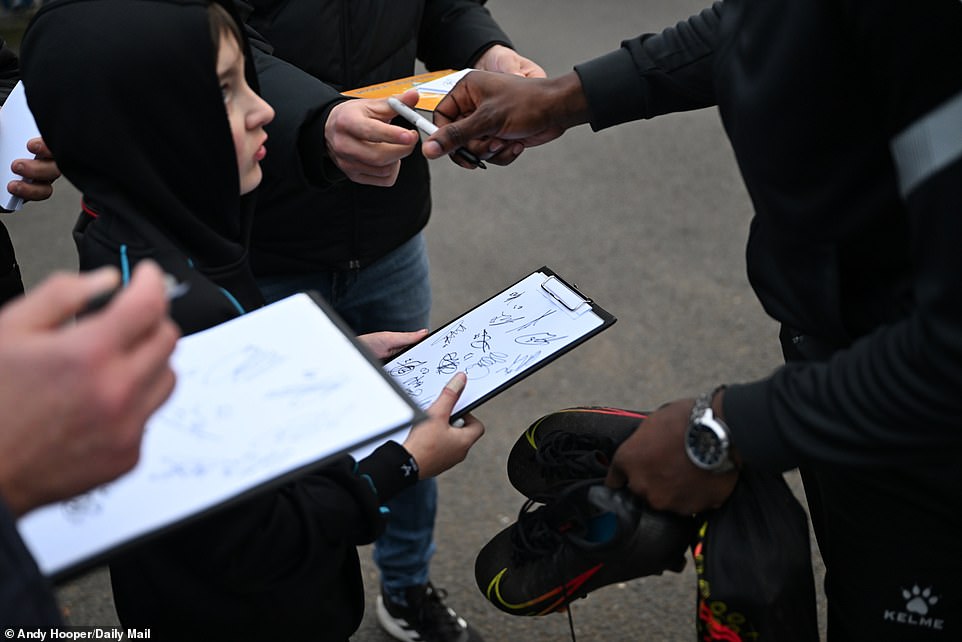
(124, 264)
(235, 302)
(370, 482)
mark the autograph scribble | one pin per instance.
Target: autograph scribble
(448, 364)
(406, 366)
(482, 341)
(305, 391)
(534, 321)
(413, 385)
(504, 319)
(446, 338)
(538, 339)
(248, 364)
(520, 363)
(482, 368)
(77, 509)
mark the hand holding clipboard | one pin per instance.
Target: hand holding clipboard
(500, 341)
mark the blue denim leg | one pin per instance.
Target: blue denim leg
(393, 293)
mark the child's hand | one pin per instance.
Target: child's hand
(435, 444)
(364, 144)
(385, 345)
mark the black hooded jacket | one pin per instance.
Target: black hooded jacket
(148, 181)
(135, 117)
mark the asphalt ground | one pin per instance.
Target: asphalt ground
(649, 219)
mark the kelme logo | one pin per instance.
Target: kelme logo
(918, 601)
(917, 612)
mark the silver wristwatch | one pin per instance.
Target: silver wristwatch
(707, 439)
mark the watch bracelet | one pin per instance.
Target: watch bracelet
(704, 401)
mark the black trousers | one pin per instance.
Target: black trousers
(890, 539)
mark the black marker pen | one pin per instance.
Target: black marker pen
(99, 301)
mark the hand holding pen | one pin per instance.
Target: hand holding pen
(173, 289)
(510, 113)
(429, 128)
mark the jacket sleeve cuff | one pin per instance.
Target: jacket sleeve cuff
(455, 33)
(473, 58)
(613, 88)
(754, 431)
(319, 169)
(389, 469)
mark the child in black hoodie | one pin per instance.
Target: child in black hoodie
(131, 95)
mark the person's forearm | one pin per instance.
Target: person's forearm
(566, 101)
(654, 74)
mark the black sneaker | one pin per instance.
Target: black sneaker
(425, 618)
(566, 446)
(589, 536)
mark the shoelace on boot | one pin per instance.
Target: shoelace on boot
(533, 537)
(538, 533)
(564, 455)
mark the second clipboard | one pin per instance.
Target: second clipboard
(500, 341)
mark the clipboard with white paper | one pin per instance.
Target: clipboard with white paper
(16, 128)
(260, 400)
(500, 341)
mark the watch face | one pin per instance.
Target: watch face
(707, 447)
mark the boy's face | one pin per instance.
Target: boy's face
(247, 113)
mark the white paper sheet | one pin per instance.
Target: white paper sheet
(444, 84)
(257, 397)
(16, 128)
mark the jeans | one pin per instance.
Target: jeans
(393, 293)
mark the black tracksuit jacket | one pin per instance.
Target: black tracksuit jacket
(814, 97)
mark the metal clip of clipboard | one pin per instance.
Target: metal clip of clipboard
(568, 297)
